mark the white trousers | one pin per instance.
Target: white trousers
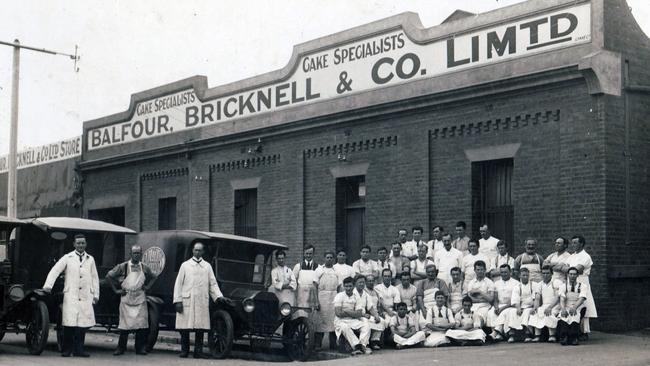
(348, 326)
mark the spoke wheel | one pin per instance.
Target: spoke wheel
(38, 328)
(154, 321)
(221, 334)
(299, 341)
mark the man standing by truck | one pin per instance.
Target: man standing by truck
(131, 280)
(80, 292)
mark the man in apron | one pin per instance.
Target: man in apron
(523, 299)
(375, 321)
(283, 281)
(573, 296)
(349, 316)
(456, 290)
(419, 265)
(472, 257)
(427, 289)
(547, 305)
(80, 292)
(438, 320)
(403, 326)
(530, 260)
(305, 272)
(499, 314)
(500, 259)
(131, 280)
(481, 290)
(326, 282)
(558, 259)
(582, 261)
(468, 327)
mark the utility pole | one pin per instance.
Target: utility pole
(12, 203)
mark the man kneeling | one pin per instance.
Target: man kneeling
(349, 316)
(403, 327)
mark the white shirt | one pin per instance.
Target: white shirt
(434, 246)
(410, 248)
(504, 290)
(488, 246)
(343, 271)
(500, 260)
(365, 268)
(445, 260)
(583, 259)
(468, 264)
(388, 296)
(555, 258)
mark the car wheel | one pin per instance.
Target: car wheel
(299, 341)
(154, 321)
(221, 334)
(38, 328)
(2, 333)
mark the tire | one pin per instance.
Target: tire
(299, 342)
(154, 321)
(2, 334)
(221, 334)
(38, 328)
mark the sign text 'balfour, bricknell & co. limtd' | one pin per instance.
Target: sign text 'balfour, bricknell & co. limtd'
(378, 61)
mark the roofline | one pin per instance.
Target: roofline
(215, 235)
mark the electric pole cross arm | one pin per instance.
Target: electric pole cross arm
(13, 133)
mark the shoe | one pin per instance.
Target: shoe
(528, 340)
(202, 356)
(367, 350)
(511, 340)
(356, 352)
(375, 347)
(84, 355)
(563, 341)
(118, 352)
(552, 339)
(583, 337)
(575, 342)
(141, 353)
(535, 340)
(65, 354)
(398, 346)
(498, 338)
(183, 354)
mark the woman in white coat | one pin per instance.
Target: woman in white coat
(80, 292)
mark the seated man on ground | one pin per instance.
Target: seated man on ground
(438, 321)
(404, 329)
(349, 316)
(572, 302)
(499, 312)
(375, 320)
(468, 330)
(547, 305)
(523, 298)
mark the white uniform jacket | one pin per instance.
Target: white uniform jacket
(195, 285)
(81, 288)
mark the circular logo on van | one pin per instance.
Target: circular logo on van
(154, 257)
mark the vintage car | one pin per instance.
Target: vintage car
(242, 267)
(28, 250)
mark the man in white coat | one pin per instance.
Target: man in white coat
(80, 292)
(195, 285)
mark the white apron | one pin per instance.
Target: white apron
(466, 335)
(535, 269)
(435, 337)
(456, 297)
(327, 285)
(571, 299)
(133, 305)
(305, 294)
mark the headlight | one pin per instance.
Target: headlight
(16, 293)
(285, 309)
(249, 305)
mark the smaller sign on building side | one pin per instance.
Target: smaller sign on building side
(48, 153)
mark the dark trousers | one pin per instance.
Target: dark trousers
(140, 339)
(185, 341)
(73, 340)
(568, 331)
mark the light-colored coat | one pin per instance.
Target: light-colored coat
(195, 285)
(81, 288)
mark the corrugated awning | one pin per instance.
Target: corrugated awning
(73, 223)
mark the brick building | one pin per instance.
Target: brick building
(530, 118)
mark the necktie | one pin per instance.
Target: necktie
(439, 313)
(573, 288)
(81, 257)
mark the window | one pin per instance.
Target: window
(3, 245)
(167, 213)
(246, 212)
(492, 198)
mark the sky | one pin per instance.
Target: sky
(131, 46)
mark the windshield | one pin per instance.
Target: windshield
(239, 262)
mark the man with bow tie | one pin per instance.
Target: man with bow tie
(305, 273)
(80, 292)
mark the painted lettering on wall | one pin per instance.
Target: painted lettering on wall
(375, 62)
(33, 156)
